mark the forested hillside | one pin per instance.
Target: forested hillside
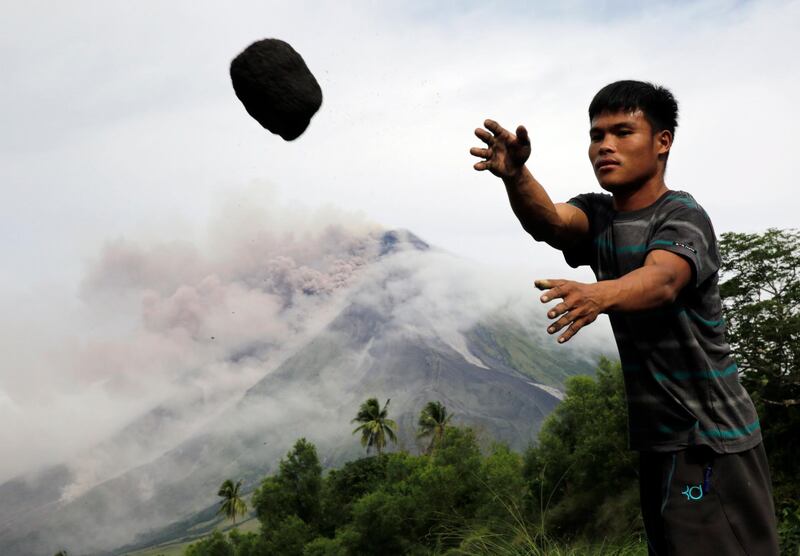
(574, 492)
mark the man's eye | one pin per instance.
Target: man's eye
(595, 137)
(624, 132)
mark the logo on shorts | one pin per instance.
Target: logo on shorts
(693, 492)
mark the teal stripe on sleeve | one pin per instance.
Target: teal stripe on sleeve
(638, 248)
(661, 242)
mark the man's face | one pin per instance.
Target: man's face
(623, 149)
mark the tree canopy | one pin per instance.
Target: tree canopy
(761, 296)
(761, 293)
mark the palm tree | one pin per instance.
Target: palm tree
(231, 505)
(375, 427)
(433, 420)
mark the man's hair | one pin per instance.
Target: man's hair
(657, 103)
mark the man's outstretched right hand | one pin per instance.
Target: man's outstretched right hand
(505, 154)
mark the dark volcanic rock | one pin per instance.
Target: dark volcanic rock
(276, 87)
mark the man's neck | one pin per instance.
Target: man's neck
(639, 198)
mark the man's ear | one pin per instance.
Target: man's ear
(664, 141)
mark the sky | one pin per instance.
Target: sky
(120, 127)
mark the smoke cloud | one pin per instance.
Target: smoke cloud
(174, 321)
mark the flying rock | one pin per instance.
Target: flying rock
(276, 87)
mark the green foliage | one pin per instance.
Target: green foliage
(272, 501)
(789, 529)
(343, 487)
(761, 292)
(450, 484)
(582, 477)
(215, 545)
(294, 491)
(375, 425)
(457, 499)
(301, 474)
(575, 493)
(323, 546)
(762, 308)
(378, 524)
(502, 495)
(232, 504)
(246, 544)
(433, 420)
(288, 537)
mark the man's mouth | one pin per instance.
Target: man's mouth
(605, 163)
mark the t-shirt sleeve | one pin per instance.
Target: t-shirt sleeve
(580, 253)
(686, 230)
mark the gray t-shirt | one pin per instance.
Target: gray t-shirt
(681, 382)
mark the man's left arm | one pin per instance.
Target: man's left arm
(657, 283)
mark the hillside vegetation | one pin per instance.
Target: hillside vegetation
(457, 498)
(574, 492)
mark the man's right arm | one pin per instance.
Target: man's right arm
(560, 225)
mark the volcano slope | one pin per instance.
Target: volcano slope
(408, 326)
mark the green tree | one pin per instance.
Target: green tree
(293, 491)
(343, 487)
(761, 292)
(232, 503)
(582, 478)
(287, 537)
(324, 546)
(761, 299)
(433, 420)
(214, 545)
(375, 425)
(247, 544)
(503, 486)
(379, 521)
(301, 474)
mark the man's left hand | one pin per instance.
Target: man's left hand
(580, 305)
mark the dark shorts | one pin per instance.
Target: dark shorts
(696, 501)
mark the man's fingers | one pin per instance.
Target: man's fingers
(543, 284)
(572, 330)
(558, 310)
(482, 165)
(554, 288)
(483, 153)
(547, 284)
(494, 127)
(560, 323)
(484, 136)
(522, 135)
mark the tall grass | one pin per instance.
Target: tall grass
(519, 537)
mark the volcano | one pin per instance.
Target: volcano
(390, 332)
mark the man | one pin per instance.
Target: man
(704, 480)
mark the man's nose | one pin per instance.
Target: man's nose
(606, 147)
